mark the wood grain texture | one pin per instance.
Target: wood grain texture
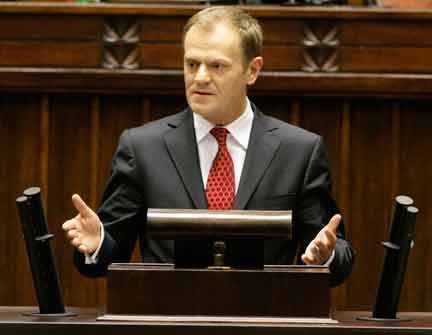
(61, 115)
(371, 197)
(20, 147)
(401, 59)
(61, 27)
(49, 54)
(415, 176)
(381, 33)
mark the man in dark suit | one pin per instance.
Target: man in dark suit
(219, 153)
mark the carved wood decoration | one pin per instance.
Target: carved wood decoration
(320, 42)
(120, 38)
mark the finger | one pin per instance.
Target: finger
(317, 253)
(306, 259)
(76, 242)
(71, 234)
(81, 206)
(309, 259)
(309, 256)
(83, 249)
(69, 224)
(334, 223)
(325, 253)
(320, 243)
(330, 237)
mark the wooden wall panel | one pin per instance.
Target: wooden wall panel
(415, 180)
(152, 56)
(70, 172)
(280, 107)
(20, 146)
(61, 27)
(66, 54)
(171, 32)
(371, 196)
(161, 106)
(273, 34)
(112, 123)
(282, 57)
(410, 60)
(376, 33)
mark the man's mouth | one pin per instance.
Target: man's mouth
(202, 93)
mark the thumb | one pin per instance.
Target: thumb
(81, 206)
(334, 223)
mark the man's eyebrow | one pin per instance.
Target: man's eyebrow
(219, 60)
(193, 59)
(189, 58)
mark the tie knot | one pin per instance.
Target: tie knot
(220, 134)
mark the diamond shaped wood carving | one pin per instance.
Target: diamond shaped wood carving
(120, 50)
(321, 47)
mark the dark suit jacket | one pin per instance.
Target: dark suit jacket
(157, 166)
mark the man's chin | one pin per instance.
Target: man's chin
(206, 113)
(199, 108)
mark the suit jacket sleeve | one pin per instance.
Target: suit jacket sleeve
(122, 212)
(314, 209)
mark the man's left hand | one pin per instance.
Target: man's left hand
(321, 247)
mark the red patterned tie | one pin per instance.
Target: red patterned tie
(220, 183)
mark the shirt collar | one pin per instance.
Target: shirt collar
(240, 128)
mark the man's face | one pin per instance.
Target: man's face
(215, 74)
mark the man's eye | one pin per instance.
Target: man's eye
(191, 65)
(217, 66)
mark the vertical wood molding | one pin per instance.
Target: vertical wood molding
(94, 150)
(295, 112)
(340, 295)
(345, 160)
(145, 109)
(44, 144)
(395, 163)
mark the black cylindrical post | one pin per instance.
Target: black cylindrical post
(39, 251)
(396, 257)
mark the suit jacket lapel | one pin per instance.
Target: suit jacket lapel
(183, 150)
(261, 149)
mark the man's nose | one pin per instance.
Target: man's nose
(202, 75)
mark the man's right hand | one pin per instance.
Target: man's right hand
(83, 231)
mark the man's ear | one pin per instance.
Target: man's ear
(254, 69)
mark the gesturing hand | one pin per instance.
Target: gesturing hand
(321, 247)
(83, 231)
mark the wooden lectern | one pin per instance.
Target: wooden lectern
(158, 292)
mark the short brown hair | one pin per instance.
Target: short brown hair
(249, 29)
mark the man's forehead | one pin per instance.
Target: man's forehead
(221, 41)
(223, 32)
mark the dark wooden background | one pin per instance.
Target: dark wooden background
(359, 77)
